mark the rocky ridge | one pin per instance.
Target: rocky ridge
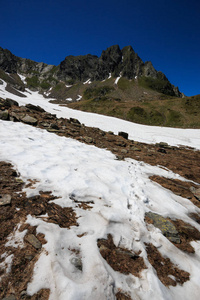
(113, 62)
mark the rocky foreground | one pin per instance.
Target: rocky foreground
(183, 161)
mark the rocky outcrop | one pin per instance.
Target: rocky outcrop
(13, 64)
(8, 61)
(113, 61)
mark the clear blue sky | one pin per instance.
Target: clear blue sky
(166, 32)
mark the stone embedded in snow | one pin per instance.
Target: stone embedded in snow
(77, 262)
(5, 199)
(29, 120)
(88, 139)
(31, 239)
(196, 192)
(34, 107)
(75, 121)
(123, 134)
(4, 115)
(167, 228)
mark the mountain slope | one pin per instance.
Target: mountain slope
(118, 83)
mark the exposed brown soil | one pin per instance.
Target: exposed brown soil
(122, 296)
(165, 268)
(24, 259)
(120, 259)
(187, 234)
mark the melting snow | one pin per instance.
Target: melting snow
(87, 81)
(79, 98)
(121, 192)
(118, 78)
(137, 132)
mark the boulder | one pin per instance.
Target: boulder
(5, 199)
(34, 107)
(123, 134)
(29, 120)
(166, 227)
(31, 239)
(4, 115)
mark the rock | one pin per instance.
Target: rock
(54, 126)
(120, 143)
(1, 82)
(124, 151)
(196, 192)
(5, 199)
(135, 148)
(16, 116)
(11, 102)
(23, 295)
(123, 134)
(29, 257)
(11, 297)
(77, 262)
(52, 130)
(34, 107)
(7, 103)
(163, 145)
(31, 239)
(75, 121)
(161, 150)
(88, 139)
(167, 228)
(103, 248)
(29, 120)
(4, 115)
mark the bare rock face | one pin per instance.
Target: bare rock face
(113, 60)
(8, 61)
(78, 67)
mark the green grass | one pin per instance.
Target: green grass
(32, 82)
(45, 85)
(157, 84)
(96, 92)
(172, 112)
(125, 84)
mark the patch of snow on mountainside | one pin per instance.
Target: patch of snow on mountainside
(137, 132)
(120, 193)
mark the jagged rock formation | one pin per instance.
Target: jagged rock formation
(113, 61)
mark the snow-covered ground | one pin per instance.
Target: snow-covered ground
(121, 191)
(140, 133)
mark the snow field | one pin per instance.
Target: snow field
(121, 191)
(137, 132)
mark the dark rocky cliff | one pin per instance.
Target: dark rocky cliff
(112, 62)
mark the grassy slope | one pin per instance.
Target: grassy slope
(131, 100)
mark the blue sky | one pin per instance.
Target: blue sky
(166, 32)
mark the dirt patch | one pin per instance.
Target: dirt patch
(39, 204)
(122, 296)
(24, 255)
(121, 259)
(167, 272)
(187, 234)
